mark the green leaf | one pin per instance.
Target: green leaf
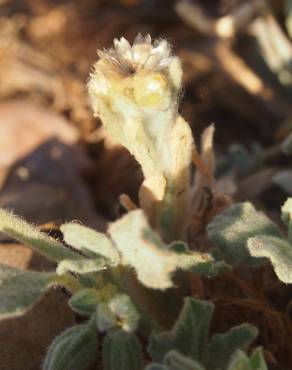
(279, 251)
(175, 361)
(156, 366)
(121, 351)
(153, 260)
(287, 216)
(257, 360)
(287, 211)
(25, 233)
(189, 334)
(105, 318)
(81, 266)
(239, 361)
(198, 262)
(20, 289)
(223, 346)
(231, 230)
(85, 301)
(118, 311)
(74, 349)
(153, 263)
(86, 239)
(289, 17)
(201, 263)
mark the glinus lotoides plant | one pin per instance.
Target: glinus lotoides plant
(131, 282)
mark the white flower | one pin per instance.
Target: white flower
(126, 59)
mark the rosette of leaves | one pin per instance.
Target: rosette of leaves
(92, 271)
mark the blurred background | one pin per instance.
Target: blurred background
(58, 164)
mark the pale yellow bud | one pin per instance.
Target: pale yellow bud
(152, 91)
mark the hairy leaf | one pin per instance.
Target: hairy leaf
(239, 361)
(86, 239)
(105, 318)
(156, 366)
(189, 334)
(25, 233)
(257, 360)
(279, 251)
(81, 266)
(175, 361)
(287, 216)
(84, 301)
(231, 230)
(153, 263)
(153, 260)
(121, 351)
(20, 289)
(74, 349)
(223, 346)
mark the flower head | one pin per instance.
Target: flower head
(125, 59)
(145, 75)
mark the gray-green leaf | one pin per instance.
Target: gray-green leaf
(239, 361)
(176, 361)
(121, 351)
(150, 258)
(189, 334)
(223, 346)
(257, 360)
(231, 230)
(81, 265)
(287, 216)
(84, 301)
(86, 239)
(279, 251)
(25, 233)
(20, 289)
(74, 349)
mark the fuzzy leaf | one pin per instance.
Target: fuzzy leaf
(153, 263)
(239, 361)
(287, 216)
(257, 360)
(81, 266)
(74, 349)
(198, 262)
(20, 289)
(85, 301)
(156, 366)
(189, 334)
(118, 311)
(230, 231)
(121, 351)
(25, 233)
(105, 318)
(175, 361)
(287, 211)
(86, 239)
(222, 346)
(201, 263)
(289, 17)
(279, 251)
